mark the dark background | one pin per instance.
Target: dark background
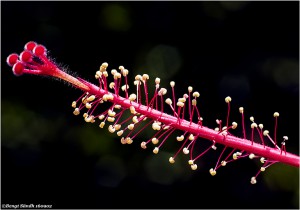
(248, 50)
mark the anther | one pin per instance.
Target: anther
(155, 150)
(194, 166)
(276, 114)
(212, 172)
(251, 156)
(190, 89)
(180, 138)
(102, 124)
(171, 160)
(172, 83)
(223, 163)
(253, 180)
(186, 151)
(191, 162)
(143, 145)
(196, 94)
(241, 110)
(154, 141)
(227, 99)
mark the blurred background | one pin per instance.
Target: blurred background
(247, 50)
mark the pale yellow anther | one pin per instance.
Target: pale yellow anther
(91, 98)
(180, 104)
(223, 163)
(190, 89)
(132, 97)
(101, 117)
(137, 82)
(251, 156)
(111, 113)
(113, 71)
(98, 74)
(262, 169)
(135, 119)
(171, 160)
(212, 172)
(172, 83)
(120, 133)
(88, 119)
(191, 137)
(182, 100)
(191, 162)
(117, 127)
(85, 115)
(218, 121)
(276, 114)
(105, 74)
(234, 125)
(180, 138)
(217, 129)
(252, 119)
(129, 140)
(168, 101)
(104, 65)
(253, 125)
(88, 105)
(261, 126)
(186, 151)
(117, 76)
(76, 111)
(143, 145)
(194, 102)
(102, 124)
(194, 167)
(262, 160)
(162, 91)
(145, 77)
(266, 133)
(110, 119)
(117, 106)
(227, 99)
(156, 126)
(112, 85)
(185, 96)
(234, 156)
(125, 72)
(213, 147)
(157, 80)
(154, 141)
(285, 138)
(132, 109)
(196, 94)
(224, 128)
(107, 97)
(138, 77)
(241, 110)
(74, 104)
(130, 126)
(123, 141)
(124, 87)
(253, 180)
(155, 150)
(121, 68)
(111, 129)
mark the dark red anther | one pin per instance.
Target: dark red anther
(30, 45)
(39, 50)
(25, 56)
(12, 59)
(18, 69)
